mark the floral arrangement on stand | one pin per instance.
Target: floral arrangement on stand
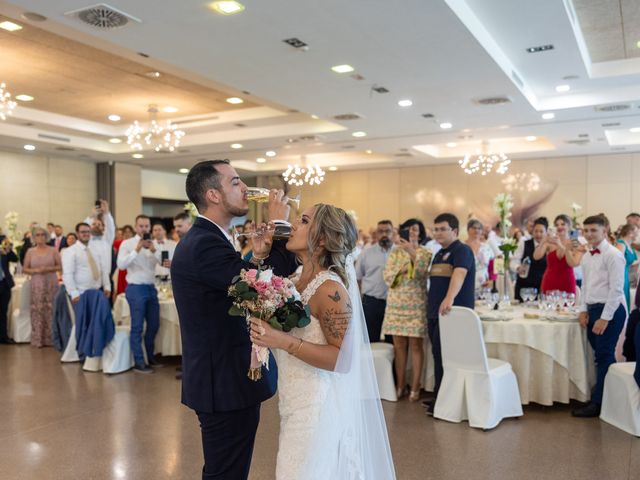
(192, 210)
(575, 213)
(503, 204)
(14, 236)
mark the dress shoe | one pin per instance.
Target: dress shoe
(143, 369)
(8, 341)
(430, 409)
(588, 411)
(154, 364)
(427, 403)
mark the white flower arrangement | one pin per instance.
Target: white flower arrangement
(191, 209)
(575, 213)
(503, 204)
(13, 234)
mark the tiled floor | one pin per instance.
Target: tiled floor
(59, 422)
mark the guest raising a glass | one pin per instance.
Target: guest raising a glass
(559, 272)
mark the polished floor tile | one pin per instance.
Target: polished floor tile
(62, 423)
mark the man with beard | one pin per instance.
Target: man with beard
(182, 223)
(369, 268)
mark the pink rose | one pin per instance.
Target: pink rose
(261, 287)
(250, 275)
(277, 282)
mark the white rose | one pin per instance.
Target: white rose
(265, 275)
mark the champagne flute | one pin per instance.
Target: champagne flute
(261, 195)
(280, 231)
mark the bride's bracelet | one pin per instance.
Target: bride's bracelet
(297, 350)
(258, 260)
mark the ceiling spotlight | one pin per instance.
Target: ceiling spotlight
(115, 140)
(153, 74)
(261, 160)
(227, 7)
(137, 155)
(10, 26)
(234, 100)
(359, 134)
(30, 148)
(24, 97)
(236, 146)
(405, 103)
(563, 88)
(170, 109)
(540, 48)
(548, 116)
(342, 68)
(452, 144)
(368, 152)
(635, 130)
(270, 153)
(114, 118)
(184, 170)
(531, 138)
(446, 126)
(333, 169)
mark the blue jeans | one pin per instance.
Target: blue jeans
(604, 346)
(143, 303)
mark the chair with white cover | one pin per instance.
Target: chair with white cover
(475, 388)
(70, 353)
(20, 328)
(383, 355)
(621, 398)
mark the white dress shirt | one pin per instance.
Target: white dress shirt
(140, 266)
(494, 242)
(167, 246)
(77, 275)
(104, 243)
(516, 260)
(603, 279)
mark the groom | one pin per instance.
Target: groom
(215, 346)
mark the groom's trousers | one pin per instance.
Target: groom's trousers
(227, 441)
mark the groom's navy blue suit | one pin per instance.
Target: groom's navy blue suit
(216, 348)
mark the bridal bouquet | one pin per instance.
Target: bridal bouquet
(274, 299)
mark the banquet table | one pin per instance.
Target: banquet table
(168, 340)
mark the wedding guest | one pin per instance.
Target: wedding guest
(59, 241)
(127, 233)
(71, 239)
(531, 272)
(369, 268)
(182, 223)
(246, 250)
(163, 244)
(559, 273)
(494, 240)
(602, 303)
(452, 279)
(625, 239)
(173, 235)
(139, 256)
(6, 284)
(26, 242)
(527, 232)
(482, 253)
(51, 231)
(405, 273)
(42, 262)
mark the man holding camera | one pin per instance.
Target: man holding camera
(139, 257)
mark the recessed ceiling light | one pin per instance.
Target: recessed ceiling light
(563, 88)
(226, 7)
(153, 74)
(368, 152)
(235, 100)
(531, 138)
(184, 170)
(359, 134)
(236, 146)
(635, 130)
(261, 160)
(30, 148)
(270, 153)
(24, 97)
(115, 140)
(137, 155)
(315, 117)
(170, 109)
(333, 169)
(540, 48)
(548, 116)
(445, 125)
(342, 68)
(405, 103)
(10, 26)
(114, 118)
(452, 144)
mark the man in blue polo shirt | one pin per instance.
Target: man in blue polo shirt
(452, 275)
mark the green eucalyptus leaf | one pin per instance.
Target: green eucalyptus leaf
(303, 322)
(236, 311)
(274, 323)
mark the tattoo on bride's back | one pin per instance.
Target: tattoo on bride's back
(336, 321)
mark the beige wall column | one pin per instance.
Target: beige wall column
(128, 194)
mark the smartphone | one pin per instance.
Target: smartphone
(98, 204)
(146, 236)
(164, 255)
(404, 234)
(573, 235)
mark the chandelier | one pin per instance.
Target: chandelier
(485, 162)
(6, 104)
(160, 136)
(298, 175)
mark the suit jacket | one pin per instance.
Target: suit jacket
(63, 243)
(215, 346)
(4, 263)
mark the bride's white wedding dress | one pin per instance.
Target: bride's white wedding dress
(332, 426)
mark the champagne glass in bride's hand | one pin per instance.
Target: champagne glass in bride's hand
(278, 231)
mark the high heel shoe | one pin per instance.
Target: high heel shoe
(414, 396)
(402, 392)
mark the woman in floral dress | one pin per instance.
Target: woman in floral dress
(42, 263)
(482, 253)
(406, 275)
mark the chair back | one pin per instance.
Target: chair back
(25, 296)
(462, 341)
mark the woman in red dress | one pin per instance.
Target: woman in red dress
(559, 274)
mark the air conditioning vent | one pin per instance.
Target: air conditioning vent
(348, 116)
(493, 101)
(618, 107)
(103, 16)
(428, 115)
(348, 147)
(296, 43)
(53, 137)
(65, 149)
(379, 89)
(404, 154)
(577, 142)
(611, 124)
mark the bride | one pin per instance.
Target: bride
(332, 425)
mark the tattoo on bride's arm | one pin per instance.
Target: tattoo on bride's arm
(335, 297)
(336, 321)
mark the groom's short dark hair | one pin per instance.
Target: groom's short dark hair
(203, 176)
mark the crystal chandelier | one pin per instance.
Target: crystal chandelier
(485, 162)
(159, 136)
(299, 175)
(6, 104)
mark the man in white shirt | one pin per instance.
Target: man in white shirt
(162, 243)
(602, 305)
(83, 267)
(139, 257)
(103, 230)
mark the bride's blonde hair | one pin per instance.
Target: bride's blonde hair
(339, 232)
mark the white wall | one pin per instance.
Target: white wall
(163, 185)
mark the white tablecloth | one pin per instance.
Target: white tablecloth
(168, 340)
(15, 297)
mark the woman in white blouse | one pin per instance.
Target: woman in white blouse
(481, 251)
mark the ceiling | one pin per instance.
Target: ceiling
(444, 55)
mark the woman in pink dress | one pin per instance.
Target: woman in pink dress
(559, 273)
(42, 263)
